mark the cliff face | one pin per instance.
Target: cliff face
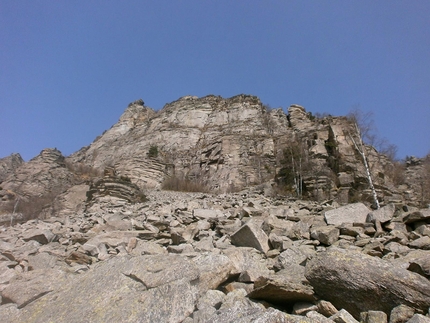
(222, 144)
(214, 140)
(228, 144)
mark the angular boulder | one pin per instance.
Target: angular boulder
(383, 215)
(251, 235)
(359, 283)
(286, 286)
(351, 213)
(39, 235)
(326, 235)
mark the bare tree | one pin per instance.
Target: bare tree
(295, 166)
(362, 127)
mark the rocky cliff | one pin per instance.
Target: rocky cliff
(223, 145)
(229, 144)
(279, 235)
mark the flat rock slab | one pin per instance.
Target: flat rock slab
(286, 286)
(41, 236)
(421, 215)
(255, 314)
(360, 283)
(207, 214)
(351, 213)
(151, 288)
(32, 286)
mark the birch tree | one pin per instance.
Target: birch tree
(362, 130)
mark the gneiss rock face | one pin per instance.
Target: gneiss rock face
(225, 142)
(222, 144)
(229, 144)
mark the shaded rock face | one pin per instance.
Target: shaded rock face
(417, 180)
(45, 172)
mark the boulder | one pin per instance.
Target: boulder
(251, 235)
(421, 243)
(417, 216)
(419, 318)
(374, 317)
(207, 214)
(326, 235)
(401, 314)
(291, 256)
(350, 213)
(39, 235)
(359, 283)
(155, 288)
(383, 215)
(286, 286)
(244, 259)
(251, 314)
(343, 317)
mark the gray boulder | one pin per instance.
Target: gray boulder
(251, 235)
(326, 235)
(401, 314)
(359, 283)
(155, 288)
(419, 318)
(351, 213)
(384, 214)
(286, 286)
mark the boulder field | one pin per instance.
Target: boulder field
(236, 257)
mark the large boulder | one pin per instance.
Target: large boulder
(359, 283)
(153, 288)
(351, 213)
(286, 286)
(384, 214)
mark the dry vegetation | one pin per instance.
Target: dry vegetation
(83, 171)
(183, 185)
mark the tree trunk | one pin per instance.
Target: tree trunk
(362, 152)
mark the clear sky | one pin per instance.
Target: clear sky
(68, 69)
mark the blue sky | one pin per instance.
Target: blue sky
(68, 69)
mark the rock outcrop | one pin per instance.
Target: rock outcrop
(94, 237)
(33, 186)
(229, 144)
(9, 164)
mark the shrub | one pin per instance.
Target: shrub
(153, 151)
(183, 185)
(82, 170)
